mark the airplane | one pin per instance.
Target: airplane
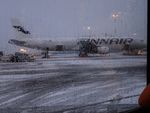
(84, 45)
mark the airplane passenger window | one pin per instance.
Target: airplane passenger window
(72, 56)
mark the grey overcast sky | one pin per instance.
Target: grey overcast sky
(69, 18)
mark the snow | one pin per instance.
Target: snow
(73, 82)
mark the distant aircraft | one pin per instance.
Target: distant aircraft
(84, 45)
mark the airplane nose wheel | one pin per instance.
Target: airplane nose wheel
(46, 53)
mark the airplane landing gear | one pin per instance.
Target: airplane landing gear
(46, 53)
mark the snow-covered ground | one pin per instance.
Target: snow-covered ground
(71, 83)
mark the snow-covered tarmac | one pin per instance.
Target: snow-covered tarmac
(72, 84)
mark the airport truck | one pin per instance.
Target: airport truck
(23, 57)
(17, 57)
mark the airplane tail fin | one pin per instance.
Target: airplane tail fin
(19, 29)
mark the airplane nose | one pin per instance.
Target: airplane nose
(9, 41)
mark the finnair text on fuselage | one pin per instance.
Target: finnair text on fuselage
(109, 41)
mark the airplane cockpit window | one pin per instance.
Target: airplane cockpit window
(69, 56)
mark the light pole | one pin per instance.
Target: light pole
(115, 16)
(89, 31)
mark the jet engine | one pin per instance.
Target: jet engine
(102, 50)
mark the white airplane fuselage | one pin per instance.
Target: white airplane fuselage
(46, 44)
(73, 44)
(84, 44)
